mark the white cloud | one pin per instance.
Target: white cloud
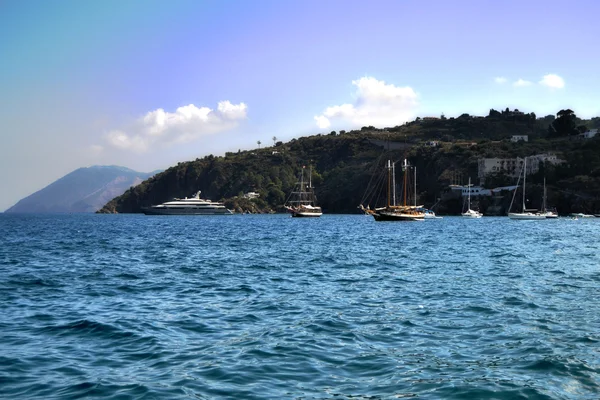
(322, 122)
(500, 80)
(377, 103)
(553, 81)
(186, 124)
(521, 83)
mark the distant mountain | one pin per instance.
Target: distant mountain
(83, 190)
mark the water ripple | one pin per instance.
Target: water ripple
(270, 307)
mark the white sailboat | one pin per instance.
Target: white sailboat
(524, 214)
(471, 213)
(547, 213)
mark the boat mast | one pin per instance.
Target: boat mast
(524, 180)
(302, 188)
(415, 184)
(469, 196)
(394, 183)
(405, 167)
(389, 167)
(310, 192)
(544, 199)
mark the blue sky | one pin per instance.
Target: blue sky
(147, 84)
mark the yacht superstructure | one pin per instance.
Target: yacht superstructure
(188, 206)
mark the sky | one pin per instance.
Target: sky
(147, 84)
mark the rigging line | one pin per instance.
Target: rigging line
(515, 192)
(373, 169)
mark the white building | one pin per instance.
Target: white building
(512, 166)
(518, 138)
(252, 195)
(589, 134)
(479, 191)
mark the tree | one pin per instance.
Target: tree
(565, 124)
(493, 113)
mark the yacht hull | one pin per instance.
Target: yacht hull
(306, 214)
(166, 211)
(526, 216)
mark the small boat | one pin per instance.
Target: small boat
(471, 213)
(524, 214)
(581, 215)
(188, 206)
(391, 211)
(302, 201)
(430, 214)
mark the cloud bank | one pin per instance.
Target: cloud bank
(377, 103)
(552, 81)
(186, 124)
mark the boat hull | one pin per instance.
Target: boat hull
(166, 211)
(387, 216)
(305, 211)
(306, 214)
(525, 216)
(472, 214)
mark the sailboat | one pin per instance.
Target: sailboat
(393, 212)
(524, 214)
(471, 213)
(547, 213)
(302, 201)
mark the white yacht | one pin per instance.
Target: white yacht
(524, 214)
(191, 206)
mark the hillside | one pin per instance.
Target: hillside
(344, 163)
(83, 190)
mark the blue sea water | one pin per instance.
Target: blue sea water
(272, 307)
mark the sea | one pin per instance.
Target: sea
(273, 307)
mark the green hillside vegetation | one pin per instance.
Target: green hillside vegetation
(344, 163)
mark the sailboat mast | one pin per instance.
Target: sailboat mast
(302, 188)
(544, 199)
(394, 183)
(405, 168)
(524, 180)
(415, 184)
(389, 182)
(469, 196)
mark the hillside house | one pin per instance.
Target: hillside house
(512, 166)
(589, 134)
(519, 138)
